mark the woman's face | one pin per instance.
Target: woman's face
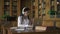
(26, 13)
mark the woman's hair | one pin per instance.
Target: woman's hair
(26, 9)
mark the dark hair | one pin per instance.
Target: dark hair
(26, 9)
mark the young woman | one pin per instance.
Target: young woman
(24, 18)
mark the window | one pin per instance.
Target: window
(6, 7)
(58, 9)
(14, 7)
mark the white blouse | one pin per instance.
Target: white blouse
(25, 21)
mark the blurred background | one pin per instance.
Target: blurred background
(45, 12)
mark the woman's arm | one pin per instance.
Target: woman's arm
(31, 21)
(19, 21)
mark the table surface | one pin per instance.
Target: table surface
(38, 32)
(35, 31)
(50, 30)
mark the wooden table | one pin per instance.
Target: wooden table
(35, 32)
(9, 31)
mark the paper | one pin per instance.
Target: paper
(40, 28)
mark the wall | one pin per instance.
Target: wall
(1, 7)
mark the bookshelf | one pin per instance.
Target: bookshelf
(11, 8)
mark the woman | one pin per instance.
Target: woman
(24, 19)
